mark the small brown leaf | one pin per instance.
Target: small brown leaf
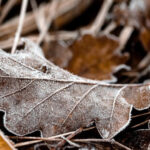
(96, 57)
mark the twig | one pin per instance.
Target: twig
(140, 115)
(61, 143)
(124, 36)
(49, 138)
(6, 9)
(121, 145)
(52, 14)
(22, 15)
(55, 36)
(70, 142)
(9, 28)
(40, 139)
(101, 140)
(39, 15)
(74, 140)
(99, 21)
(109, 28)
(144, 62)
(142, 73)
(140, 124)
(26, 143)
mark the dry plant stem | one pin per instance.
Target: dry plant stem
(140, 124)
(22, 16)
(9, 28)
(70, 142)
(142, 73)
(27, 143)
(109, 28)
(140, 115)
(49, 138)
(53, 138)
(36, 13)
(40, 139)
(99, 21)
(6, 9)
(55, 36)
(101, 140)
(78, 141)
(63, 142)
(124, 36)
(49, 21)
(40, 18)
(144, 62)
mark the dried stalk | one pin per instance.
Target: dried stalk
(70, 142)
(27, 143)
(39, 15)
(55, 36)
(109, 28)
(8, 6)
(124, 36)
(144, 62)
(40, 139)
(52, 15)
(140, 124)
(62, 143)
(99, 21)
(9, 28)
(76, 140)
(140, 115)
(101, 140)
(18, 33)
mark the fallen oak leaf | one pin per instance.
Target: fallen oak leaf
(33, 100)
(96, 57)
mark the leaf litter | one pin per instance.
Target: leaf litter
(37, 95)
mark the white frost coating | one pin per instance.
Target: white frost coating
(105, 133)
(137, 4)
(149, 87)
(122, 66)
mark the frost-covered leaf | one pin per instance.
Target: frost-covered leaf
(55, 101)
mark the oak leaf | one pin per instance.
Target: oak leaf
(96, 57)
(55, 101)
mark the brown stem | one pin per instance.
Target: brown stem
(63, 142)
